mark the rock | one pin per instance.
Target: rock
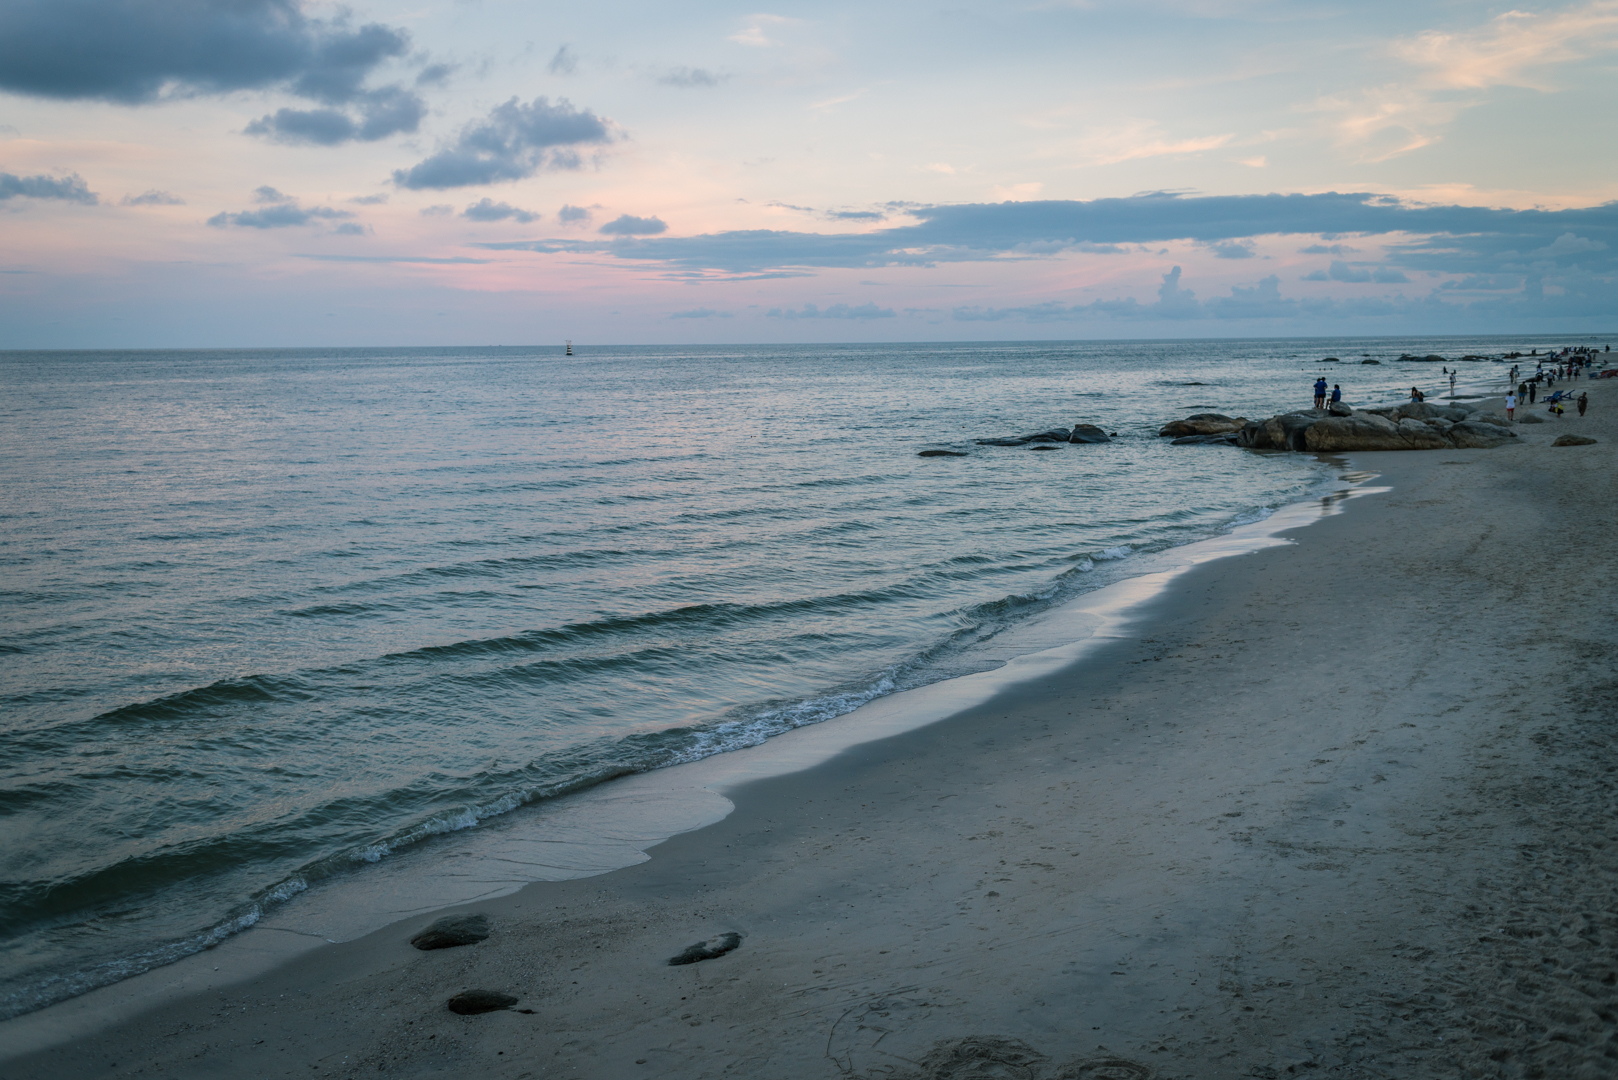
(703, 951)
(1419, 436)
(1042, 448)
(472, 1002)
(1227, 438)
(1438, 424)
(1430, 358)
(1337, 408)
(1370, 361)
(1331, 360)
(1254, 436)
(1473, 435)
(453, 930)
(1573, 440)
(1053, 435)
(942, 453)
(1202, 424)
(1362, 431)
(1286, 431)
(1088, 433)
(1488, 418)
(1530, 418)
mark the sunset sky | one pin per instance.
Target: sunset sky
(267, 172)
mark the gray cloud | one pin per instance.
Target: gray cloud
(836, 311)
(700, 313)
(351, 228)
(135, 52)
(514, 142)
(437, 210)
(630, 225)
(689, 78)
(570, 214)
(380, 113)
(71, 188)
(565, 62)
(1232, 249)
(1352, 274)
(1456, 240)
(370, 200)
(489, 210)
(1328, 249)
(153, 197)
(280, 212)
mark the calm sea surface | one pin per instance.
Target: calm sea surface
(270, 616)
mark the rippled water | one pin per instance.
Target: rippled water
(268, 616)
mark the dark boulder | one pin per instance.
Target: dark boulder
(1053, 435)
(942, 453)
(702, 950)
(1254, 435)
(453, 930)
(1370, 361)
(472, 1002)
(1286, 431)
(1202, 424)
(1337, 408)
(1573, 440)
(1088, 433)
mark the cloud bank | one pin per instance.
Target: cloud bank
(1446, 238)
(135, 52)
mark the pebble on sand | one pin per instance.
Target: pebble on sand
(453, 930)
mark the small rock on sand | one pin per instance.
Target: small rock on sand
(1573, 440)
(472, 1002)
(453, 930)
(722, 944)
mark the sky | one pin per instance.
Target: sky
(254, 173)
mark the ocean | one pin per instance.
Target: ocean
(269, 617)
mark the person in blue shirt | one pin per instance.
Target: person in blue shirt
(1336, 395)
(1320, 392)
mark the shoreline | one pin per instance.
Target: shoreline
(919, 875)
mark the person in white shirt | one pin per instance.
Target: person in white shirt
(1511, 404)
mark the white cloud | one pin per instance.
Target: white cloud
(757, 31)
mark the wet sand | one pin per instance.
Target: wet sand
(1344, 806)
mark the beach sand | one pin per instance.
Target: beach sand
(1344, 806)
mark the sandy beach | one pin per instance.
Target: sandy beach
(1341, 807)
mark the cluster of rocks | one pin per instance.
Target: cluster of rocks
(1413, 426)
(1079, 433)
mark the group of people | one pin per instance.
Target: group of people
(1320, 393)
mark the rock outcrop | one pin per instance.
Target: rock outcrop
(1207, 423)
(1088, 433)
(1476, 435)
(1411, 426)
(1573, 440)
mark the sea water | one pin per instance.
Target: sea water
(269, 617)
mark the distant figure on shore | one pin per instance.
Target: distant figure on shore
(1320, 391)
(1417, 395)
(1452, 384)
(1584, 403)
(1533, 391)
(1511, 405)
(1336, 394)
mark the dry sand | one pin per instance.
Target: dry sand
(1344, 807)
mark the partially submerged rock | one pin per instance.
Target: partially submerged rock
(1081, 433)
(1202, 424)
(1088, 433)
(453, 930)
(702, 950)
(942, 453)
(1573, 440)
(472, 1002)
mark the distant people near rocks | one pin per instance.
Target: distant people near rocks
(1584, 403)
(1511, 405)
(1320, 392)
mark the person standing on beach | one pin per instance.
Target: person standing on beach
(1584, 403)
(1533, 391)
(1320, 391)
(1511, 405)
(1452, 384)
